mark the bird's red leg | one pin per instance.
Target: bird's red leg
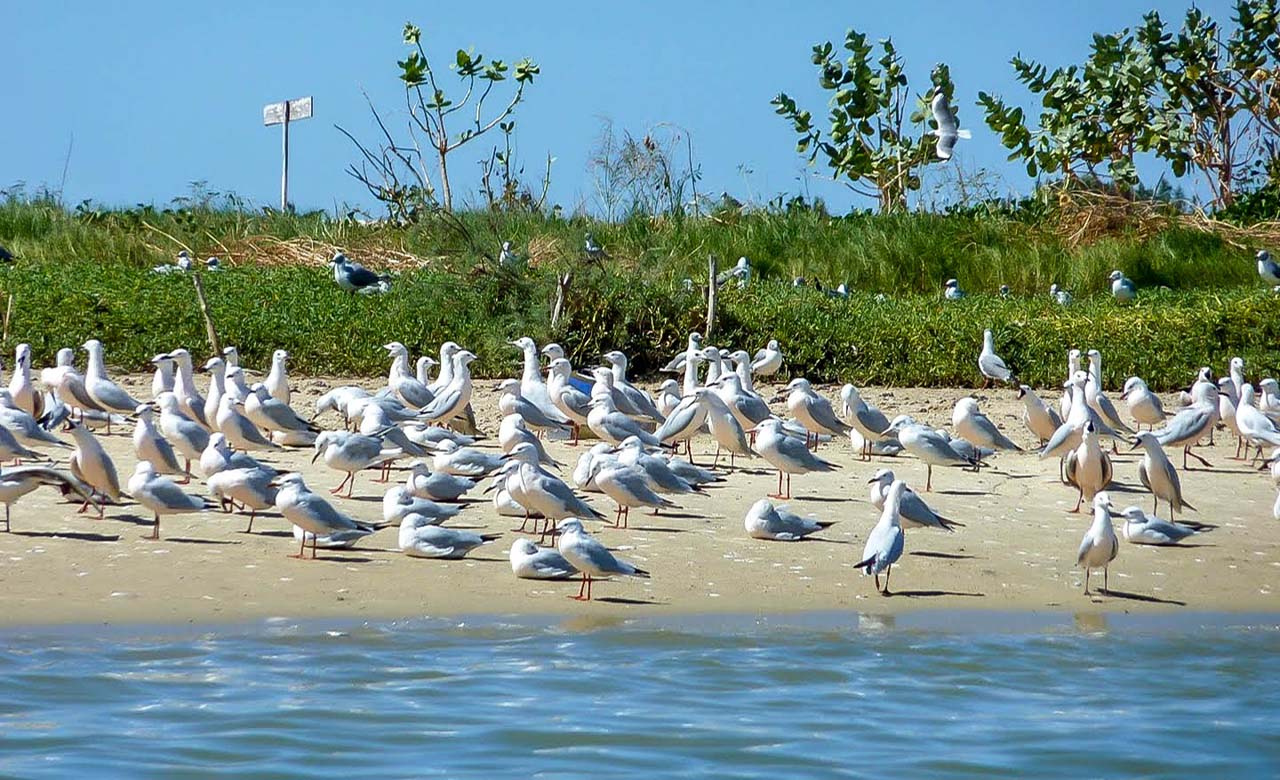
(340, 486)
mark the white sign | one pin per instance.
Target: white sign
(274, 113)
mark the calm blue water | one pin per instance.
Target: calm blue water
(788, 697)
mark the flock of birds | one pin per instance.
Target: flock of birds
(182, 433)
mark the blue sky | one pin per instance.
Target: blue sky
(152, 96)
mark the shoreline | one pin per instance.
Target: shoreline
(1014, 555)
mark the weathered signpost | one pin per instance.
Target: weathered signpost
(282, 114)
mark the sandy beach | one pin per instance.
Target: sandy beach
(1016, 551)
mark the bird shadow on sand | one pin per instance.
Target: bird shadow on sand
(485, 560)
(678, 516)
(630, 602)
(962, 492)
(76, 535)
(818, 499)
(652, 529)
(942, 555)
(361, 498)
(135, 519)
(1120, 594)
(339, 558)
(188, 540)
(273, 534)
(913, 594)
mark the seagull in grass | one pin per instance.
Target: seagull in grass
(1267, 268)
(951, 290)
(354, 277)
(1122, 287)
(948, 130)
(594, 251)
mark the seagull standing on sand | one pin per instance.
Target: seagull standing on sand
(314, 515)
(569, 400)
(150, 446)
(1144, 405)
(886, 541)
(184, 387)
(975, 427)
(787, 454)
(913, 512)
(21, 389)
(217, 370)
(253, 488)
(768, 360)
(420, 538)
(1122, 288)
(1041, 420)
(591, 558)
(277, 381)
(948, 127)
(511, 402)
(105, 393)
(186, 436)
(813, 411)
(1188, 426)
(928, 445)
(991, 365)
(91, 465)
(240, 431)
(1158, 475)
(1099, 546)
(453, 400)
(1088, 467)
(635, 397)
(402, 381)
(532, 387)
(19, 481)
(349, 453)
(161, 496)
(1097, 400)
(606, 421)
(354, 277)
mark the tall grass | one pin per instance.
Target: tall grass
(87, 275)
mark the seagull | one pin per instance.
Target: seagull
(683, 422)
(217, 457)
(748, 408)
(594, 251)
(658, 474)
(628, 486)
(402, 381)
(12, 449)
(574, 404)
(741, 271)
(1060, 296)
(18, 481)
(531, 562)
(913, 512)
(507, 258)
(725, 428)
(639, 401)
(349, 453)
(991, 365)
(419, 538)
(240, 431)
(277, 381)
(183, 433)
(1256, 427)
(91, 464)
(1122, 288)
(533, 388)
(450, 458)
(275, 415)
(511, 402)
(776, 524)
(435, 485)
(590, 557)
(928, 445)
(161, 496)
(1005, 292)
(184, 387)
(1267, 268)
(21, 388)
(606, 421)
(951, 290)
(513, 431)
(1088, 467)
(1144, 405)
(886, 540)
(6, 256)
(1097, 400)
(1142, 528)
(181, 265)
(354, 277)
(398, 502)
(212, 264)
(105, 393)
(1188, 426)
(314, 515)
(150, 446)
(422, 369)
(786, 453)
(541, 493)
(453, 400)
(948, 128)
(23, 426)
(676, 364)
(978, 429)
(867, 420)
(1041, 420)
(1158, 475)
(1099, 546)
(813, 411)
(217, 370)
(252, 487)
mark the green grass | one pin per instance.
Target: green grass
(86, 276)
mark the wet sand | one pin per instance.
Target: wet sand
(1016, 552)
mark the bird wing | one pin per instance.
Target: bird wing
(993, 366)
(361, 276)
(172, 497)
(822, 413)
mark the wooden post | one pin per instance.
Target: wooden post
(562, 289)
(8, 312)
(711, 296)
(204, 311)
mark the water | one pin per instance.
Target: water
(788, 697)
